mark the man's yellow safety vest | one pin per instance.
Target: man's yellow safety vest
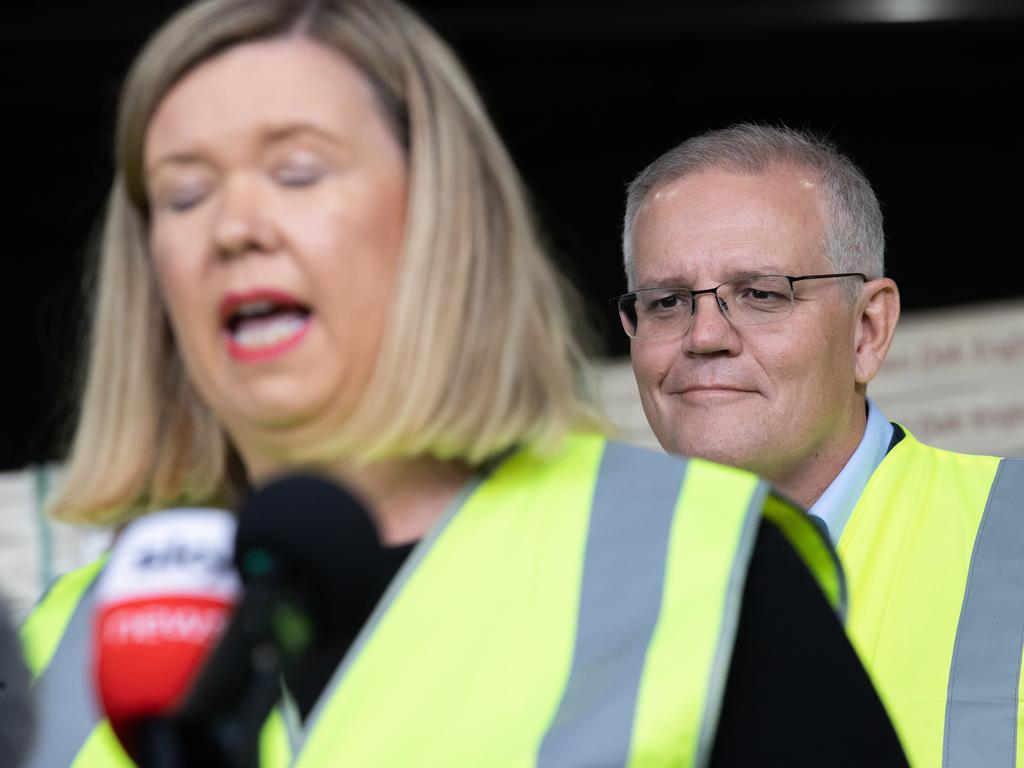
(570, 609)
(934, 555)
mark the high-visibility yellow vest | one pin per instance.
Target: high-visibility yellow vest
(569, 609)
(934, 554)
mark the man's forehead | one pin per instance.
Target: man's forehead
(695, 270)
(716, 188)
(740, 222)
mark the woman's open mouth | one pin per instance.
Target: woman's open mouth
(260, 325)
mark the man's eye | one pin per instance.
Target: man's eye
(760, 295)
(664, 303)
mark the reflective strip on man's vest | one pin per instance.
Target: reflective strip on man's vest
(984, 677)
(934, 555)
(573, 610)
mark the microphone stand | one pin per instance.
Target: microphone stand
(220, 721)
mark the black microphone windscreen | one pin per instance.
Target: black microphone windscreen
(322, 540)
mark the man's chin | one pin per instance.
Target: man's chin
(717, 455)
(713, 443)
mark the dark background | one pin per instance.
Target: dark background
(923, 94)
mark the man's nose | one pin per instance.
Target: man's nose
(709, 330)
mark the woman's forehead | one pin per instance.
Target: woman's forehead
(265, 87)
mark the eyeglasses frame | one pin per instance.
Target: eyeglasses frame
(718, 299)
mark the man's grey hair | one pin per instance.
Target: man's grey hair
(853, 238)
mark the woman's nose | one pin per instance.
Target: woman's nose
(241, 222)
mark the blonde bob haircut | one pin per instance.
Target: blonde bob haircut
(481, 351)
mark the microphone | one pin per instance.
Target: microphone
(323, 546)
(310, 560)
(333, 568)
(162, 604)
(17, 714)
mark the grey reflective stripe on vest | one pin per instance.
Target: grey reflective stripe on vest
(981, 704)
(64, 692)
(292, 720)
(623, 576)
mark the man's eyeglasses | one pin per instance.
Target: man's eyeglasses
(753, 300)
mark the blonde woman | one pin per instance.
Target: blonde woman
(317, 256)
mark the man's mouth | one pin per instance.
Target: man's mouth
(713, 388)
(702, 391)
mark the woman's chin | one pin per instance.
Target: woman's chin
(288, 441)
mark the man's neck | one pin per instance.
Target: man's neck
(808, 479)
(837, 503)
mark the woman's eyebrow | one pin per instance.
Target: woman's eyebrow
(183, 157)
(278, 134)
(269, 137)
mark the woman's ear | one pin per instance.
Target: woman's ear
(877, 311)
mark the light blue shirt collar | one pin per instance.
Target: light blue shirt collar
(837, 502)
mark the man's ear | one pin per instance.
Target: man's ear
(877, 311)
